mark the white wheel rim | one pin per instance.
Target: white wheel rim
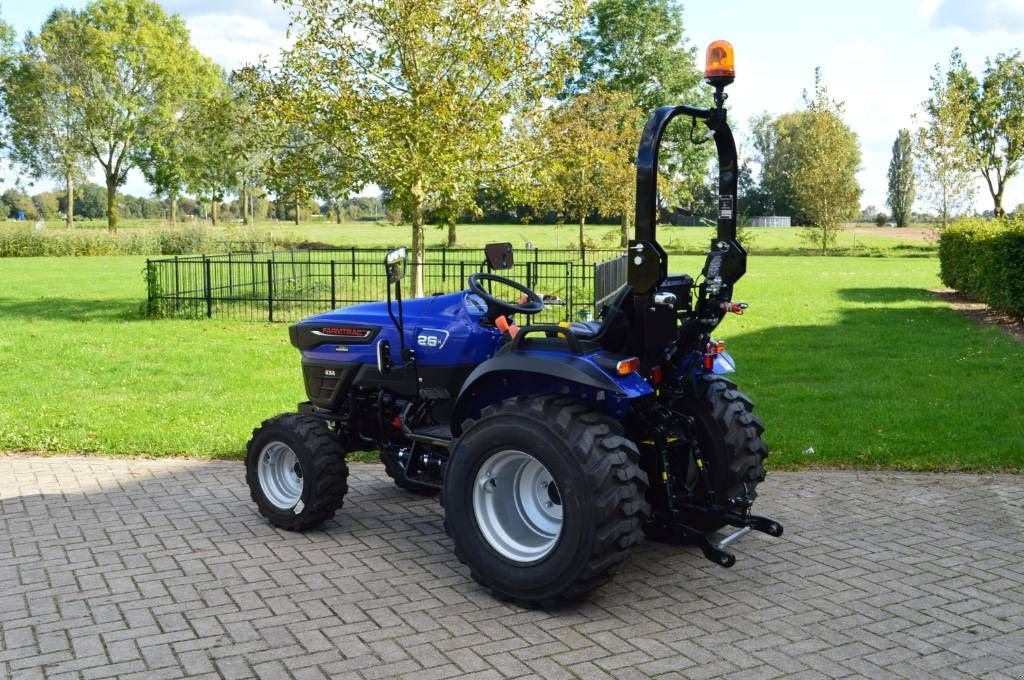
(280, 475)
(517, 506)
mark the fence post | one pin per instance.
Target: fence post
(568, 275)
(206, 287)
(333, 294)
(444, 265)
(353, 263)
(270, 289)
(231, 275)
(177, 291)
(462, 270)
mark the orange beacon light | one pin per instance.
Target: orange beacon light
(720, 61)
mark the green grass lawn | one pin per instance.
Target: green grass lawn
(760, 240)
(849, 356)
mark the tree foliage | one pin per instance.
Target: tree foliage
(995, 119)
(584, 146)
(44, 90)
(942, 146)
(809, 160)
(639, 47)
(423, 87)
(137, 67)
(901, 179)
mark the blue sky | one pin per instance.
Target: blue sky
(876, 55)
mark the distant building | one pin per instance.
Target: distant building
(770, 221)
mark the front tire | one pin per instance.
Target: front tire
(543, 498)
(296, 472)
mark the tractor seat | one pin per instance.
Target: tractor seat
(585, 330)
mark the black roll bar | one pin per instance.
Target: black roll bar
(647, 168)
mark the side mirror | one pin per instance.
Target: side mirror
(499, 255)
(394, 263)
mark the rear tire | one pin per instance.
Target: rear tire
(729, 437)
(296, 472)
(594, 514)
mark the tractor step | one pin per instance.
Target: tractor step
(435, 435)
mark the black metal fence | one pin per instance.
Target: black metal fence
(288, 285)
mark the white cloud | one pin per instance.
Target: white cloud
(980, 16)
(235, 40)
(235, 32)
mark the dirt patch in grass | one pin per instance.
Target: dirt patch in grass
(980, 313)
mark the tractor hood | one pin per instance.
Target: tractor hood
(361, 324)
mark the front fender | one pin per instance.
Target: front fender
(541, 372)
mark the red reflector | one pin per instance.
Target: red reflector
(345, 332)
(397, 423)
(627, 366)
(709, 362)
(656, 375)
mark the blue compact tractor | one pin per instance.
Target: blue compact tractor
(555, 448)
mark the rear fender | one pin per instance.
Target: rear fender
(539, 372)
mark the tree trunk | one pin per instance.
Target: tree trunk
(214, 209)
(997, 199)
(451, 234)
(111, 203)
(296, 211)
(243, 198)
(69, 218)
(172, 207)
(583, 248)
(624, 234)
(417, 239)
(337, 212)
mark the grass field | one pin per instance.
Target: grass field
(850, 357)
(860, 241)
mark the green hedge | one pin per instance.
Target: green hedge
(25, 241)
(984, 260)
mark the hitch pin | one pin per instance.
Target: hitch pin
(733, 537)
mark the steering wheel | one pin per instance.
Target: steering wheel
(497, 307)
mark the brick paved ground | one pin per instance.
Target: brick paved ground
(161, 569)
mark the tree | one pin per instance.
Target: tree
(941, 144)
(7, 60)
(424, 87)
(995, 119)
(584, 144)
(823, 154)
(137, 66)
(44, 91)
(901, 179)
(639, 47)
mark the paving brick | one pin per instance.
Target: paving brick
(156, 569)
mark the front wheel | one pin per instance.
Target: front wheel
(542, 498)
(296, 472)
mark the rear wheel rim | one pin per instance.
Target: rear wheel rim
(517, 506)
(280, 475)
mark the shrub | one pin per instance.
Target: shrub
(984, 260)
(881, 219)
(25, 241)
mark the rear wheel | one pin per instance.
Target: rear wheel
(296, 472)
(729, 437)
(543, 498)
